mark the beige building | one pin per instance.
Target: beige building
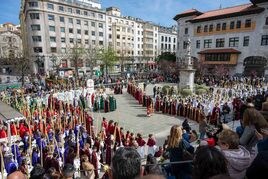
(50, 28)
(10, 46)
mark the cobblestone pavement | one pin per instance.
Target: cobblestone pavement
(132, 116)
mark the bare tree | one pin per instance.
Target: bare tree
(91, 58)
(75, 55)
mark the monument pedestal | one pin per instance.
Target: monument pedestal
(187, 78)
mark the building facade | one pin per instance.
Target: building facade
(235, 37)
(52, 27)
(10, 46)
(167, 39)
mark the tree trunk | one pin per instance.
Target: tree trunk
(106, 69)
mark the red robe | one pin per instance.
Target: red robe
(151, 142)
(3, 134)
(13, 129)
(104, 124)
(141, 142)
(94, 161)
(215, 115)
(108, 151)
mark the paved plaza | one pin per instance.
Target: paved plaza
(132, 116)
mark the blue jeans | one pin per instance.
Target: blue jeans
(239, 130)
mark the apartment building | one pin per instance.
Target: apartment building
(167, 39)
(235, 37)
(50, 28)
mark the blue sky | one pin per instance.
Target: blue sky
(158, 11)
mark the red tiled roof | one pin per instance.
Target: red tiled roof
(186, 13)
(228, 12)
(221, 50)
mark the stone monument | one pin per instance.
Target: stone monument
(187, 71)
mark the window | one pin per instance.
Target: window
(62, 40)
(100, 16)
(94, 42)
(37, 49)
(61, 8)
(77, 11)
(208, 43)
(61, 19)
(184, 45)
(71, 40)
(118, 36)
(78, 21)
(33, 4)
(85, 13)
(50, 6)
(118, 43)
(79, 41)
(86, 32)
(93, 24)
(198, 44)
(100, 25)
(53, 50)
(62, 29)
(71, 30)
(169, 39)
(52, 28)
(101, 34)
(248, 23)
(93, 33)
(71, 21)
(52, 39)
(35, 27)
(232, 25)
(218, 27)
(205, 28)
(210, 27)
(34, 16)
(165, 39)
(86, 23)
(220, 42)
(70, 10)
(51, 17)
(86, 41)
(93, 14)
(223, 27)
(110, 36)
(100, 42)
(37, 38)
(186, 31)
(233, 42)
(174, 40)
(198, 29)
(264, 40)
(266, 21)
(238, 24)
(78, 31)
(217, 57)
(246, 41)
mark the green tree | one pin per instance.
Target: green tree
(108, 58)
(167, 56)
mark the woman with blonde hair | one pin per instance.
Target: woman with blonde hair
(177, 146)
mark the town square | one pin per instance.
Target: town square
(119, 89)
